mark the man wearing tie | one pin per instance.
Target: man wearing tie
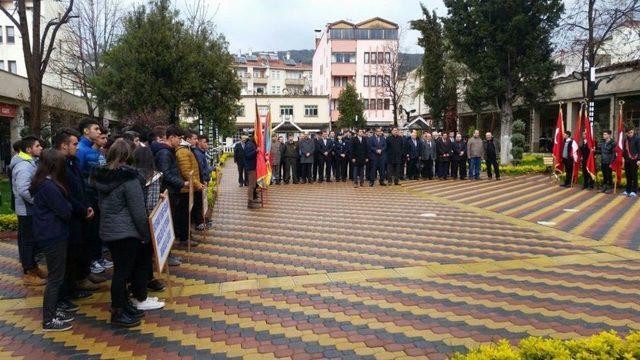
(377, 157)
(428, 155)
(325, 148)
(413, 152)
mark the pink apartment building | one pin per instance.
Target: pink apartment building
(359, 54)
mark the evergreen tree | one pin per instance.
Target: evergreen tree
(351, 109)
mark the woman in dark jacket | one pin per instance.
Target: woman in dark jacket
(51, 216)
(124, 228)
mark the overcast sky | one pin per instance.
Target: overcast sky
(289, 24)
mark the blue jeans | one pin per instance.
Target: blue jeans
(474, 168)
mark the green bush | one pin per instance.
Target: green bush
(604, 346)
(518, 141)
(8, 222)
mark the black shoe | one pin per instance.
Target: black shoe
(565, 185)
(96, 278)
(241, 185)
(56, 325)
(371, 184)
(64, 316)
(80, 294)
(119, 317)
(355, 184)
(329, 180)
(361, 183)
(133, 311)
(155, 285)
(382, 184)
(67, 306)
(396, 183)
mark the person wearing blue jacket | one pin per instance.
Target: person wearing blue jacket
(250, 159)
(52, 212)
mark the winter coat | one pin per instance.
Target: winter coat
(238, 153)
(290, 150)
(122, 208)
(395, 149)
(428, 152)
(203, 166)
(359, 151)
(250, 155)
(166, 163)
(51, 214)
(607, 152)
(276, 153)
(459, 147)
(88, 160)
(78, 200)
(307, 146)
(444, 149)
(491, 149)
(188, 165)
(22, 168)
(475, 148)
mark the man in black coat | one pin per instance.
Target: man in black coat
(567, 158)
(290, 158)
(491, 151)
(238, 158)
(324, 148)
(413, 150)
(359, 157)
(459, 158)
(377, 157)
(395, 155)
(340, 158)
(606, 149)
(444, 150)
(631, 151)
(585, 151)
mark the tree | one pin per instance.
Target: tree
(394, 81)
(586, 32)
(82, 47)
(37, 47)
(351, 109)
(431, 72)
(506, 47)
(518, 140)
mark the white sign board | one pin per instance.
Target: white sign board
(162, 236)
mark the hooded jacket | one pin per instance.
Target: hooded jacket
(22, 168)
(122, 207)
(51, 214)
(186, 164)
(166, 163)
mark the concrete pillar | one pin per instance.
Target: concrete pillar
(612, 112)
(534, 142)
(17, 124)
(572, 114)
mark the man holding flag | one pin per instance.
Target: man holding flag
(588, 155)
(630, 151)
(607, 155)
(569, 155)
(558, 143)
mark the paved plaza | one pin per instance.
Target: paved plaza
(424, 269)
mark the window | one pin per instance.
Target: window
(380, 81)
(1, 36)
(380, 58)
(366, 58)
(387, 104)
(240, 111)
(11, 35)
(310, 110)
(286, 110)
(366, 104)
(343, 57)
(340, 81)
(387, 80)
(387, 57)
(13, 67)
(373, 58)
(366, 80)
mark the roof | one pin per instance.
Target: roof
(346, 24)
(259, 61)
(376, 19)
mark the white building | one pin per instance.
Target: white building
(266, 74)
(359, 54)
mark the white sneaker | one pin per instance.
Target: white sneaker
(633, 194)
(625, 194)
(148, 304)
(106, 263)
(96, 268)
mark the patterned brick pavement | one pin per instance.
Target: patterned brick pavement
(329, 271)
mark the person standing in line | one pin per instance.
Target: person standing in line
(606, 149)
(428, 155)
(475, 151)
(359, 158)
(190, 172)
(324, 147)
(567, 159)
(347, 138)
(587, 181)
(22, 167)
(377, 157)
(250, 164)
(413, 150)
(197, 214)
(395, 155)
(202, 147)
(491, 151)
(444, 150)
(459, 158)
(238, 158)
(631, 150)
(341, 158)
(307, 148)
(52, 212)
(290, 157)
(275, 157)
(316, 157)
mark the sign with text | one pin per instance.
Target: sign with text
(161, 225)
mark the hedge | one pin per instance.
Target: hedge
(603, 346)
(214, 175)
(9, 222)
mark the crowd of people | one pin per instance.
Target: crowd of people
(88, 198)
(369, 156)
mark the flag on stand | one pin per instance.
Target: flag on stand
(261, 165)
(265, 181)
(617, 163)
(591, 143)
(558, 143)
(575, 147)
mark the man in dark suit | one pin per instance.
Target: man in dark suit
(631, 152)
(491, 153)
(238, 158)
(377, 157)
(316, 156)
(428, 155)
(567, 158)
(459, 158)
(359, 159)
(443, 148)
(324, 148)
(413, 150)
(347, 138)
(395, 155)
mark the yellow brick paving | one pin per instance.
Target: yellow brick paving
(487, 274)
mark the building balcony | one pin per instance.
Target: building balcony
(260, 80)
(335, 92)
(298, 82)
(335, 114)
(342, 69)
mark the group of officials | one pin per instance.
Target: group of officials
(373, 155)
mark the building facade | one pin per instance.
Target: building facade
(266, 74)
(360, 54)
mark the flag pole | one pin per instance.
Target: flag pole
(615, 184)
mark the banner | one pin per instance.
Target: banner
(617, 163)
(575, 146)
(161, 227)
(591, 144)
(558, 142)
(261, 164)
